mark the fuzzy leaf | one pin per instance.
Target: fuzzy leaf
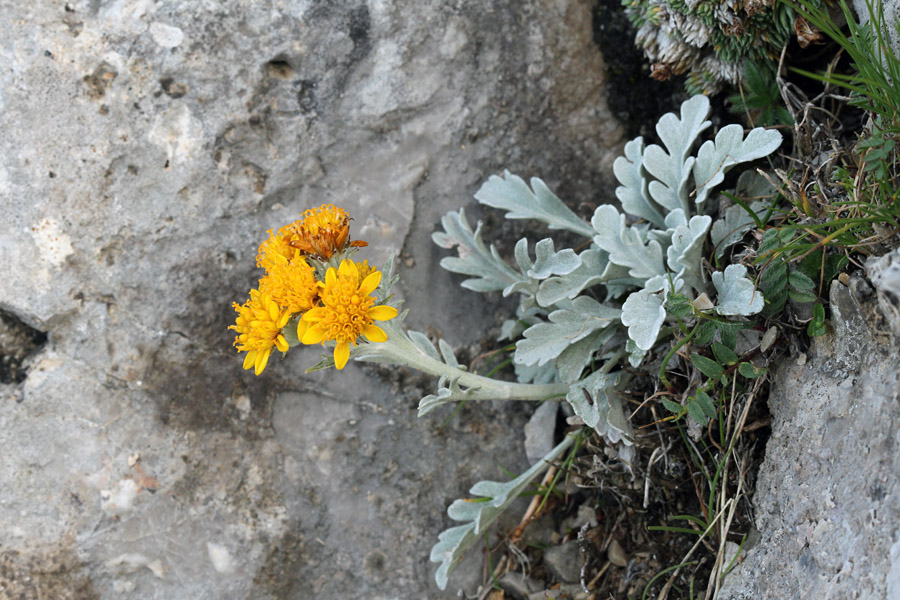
(673, 168)
(625, 245)
(512, 194)
(635, 354)
(729, 230)
(593, 400)
(545, 341)
(594, 263)
(424, 344)
(644, 312)
(737, 295)
(633, 193)
(572, 361)
(534, 374)
(714, 159)
(549, 262)
(489, 272)
(479, 515)
(686, 251)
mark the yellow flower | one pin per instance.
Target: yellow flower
(347, 311)
(291, 284)
(258, 325)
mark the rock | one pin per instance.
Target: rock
(519, 586)
(828, 492)
(564, 561)
(884, 272)
(616, 554)
(147, 147)
(539, 431)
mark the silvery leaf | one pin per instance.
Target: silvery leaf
(478, 515)
(643, 313)
(594, 264)
(572, 361)
(593, 398)
(489, 272)
(737, 295)
(686, 251)
(549, 262)
(511, 193)
(547, 373)
(624, 244)
(714, 159)
(729, 230)
(673, 168)
(635, 354)
(545, 341)
(633, 193)
(525, 318)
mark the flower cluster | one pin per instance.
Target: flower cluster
(310, 278)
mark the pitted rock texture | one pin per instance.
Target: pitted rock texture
(827, 500)
(147, 147)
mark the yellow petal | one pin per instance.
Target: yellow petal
(302, 326)
(272, 308)
(262, 358)
(330, 276)
(313, 335)
(370, 283)
(249, 359)
(374, 333)
(341, 354)
(382, 313)
(281, 343)
(283, 320)
(314, 314)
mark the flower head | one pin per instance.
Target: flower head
(322, 232)
(348, 311)
(258, 326)
(290, 283)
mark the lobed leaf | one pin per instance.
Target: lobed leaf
(673, 168)
(737, 295)
(625, 244)
(545, 341)
(715, 158)
(479, 515)
(512, 194)
(489, 272)
(634, 193)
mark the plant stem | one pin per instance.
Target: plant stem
(400, 350)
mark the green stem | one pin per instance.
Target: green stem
(675, 348)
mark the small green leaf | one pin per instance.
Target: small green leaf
(673, 407)
(802, 297)
(679, 306)
(816, 326)
(801, 282)
(724, 354)
(751, 371)
(728, 335)
(705, 332)
(708, 367)
(696, 412)
(705, 402)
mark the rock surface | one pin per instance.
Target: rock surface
(147, 147)
(828, 496)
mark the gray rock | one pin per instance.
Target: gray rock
(564, 561)
(518, 585)
(147, 147)
(884, 272)
(539, 431)
(828, 496)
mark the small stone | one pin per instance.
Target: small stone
(768, 339)
(616, 554)
(133, 459)
(518, 585)
(539, 431)
(564, 562)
